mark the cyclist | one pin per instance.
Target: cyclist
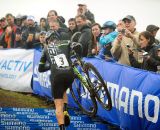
(57, 53)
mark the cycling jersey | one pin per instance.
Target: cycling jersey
(58, 56)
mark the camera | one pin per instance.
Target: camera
(123, 31)
(145, 53)
(127, 45)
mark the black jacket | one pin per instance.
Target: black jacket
(71, 32)
(90, 16)
(85, 39)
(33, 30)
(150, 63)
(63, 34)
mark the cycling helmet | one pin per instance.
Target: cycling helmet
(109, 24)
(52, 35)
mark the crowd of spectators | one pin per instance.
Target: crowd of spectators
(120, 41)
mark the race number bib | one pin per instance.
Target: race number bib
(61, 60)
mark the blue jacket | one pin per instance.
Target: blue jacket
(105, 42)
(109, 38)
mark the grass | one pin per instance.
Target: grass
(25, 100)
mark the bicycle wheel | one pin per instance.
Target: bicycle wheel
(100, 88)
(83, 97)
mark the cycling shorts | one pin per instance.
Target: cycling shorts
(60, 82)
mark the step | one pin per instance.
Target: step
(44, 119)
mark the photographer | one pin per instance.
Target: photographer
(148, 56)
(129, 35)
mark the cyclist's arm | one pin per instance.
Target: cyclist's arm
(42, 64)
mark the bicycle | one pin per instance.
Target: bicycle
(85, 85)
(90, 82)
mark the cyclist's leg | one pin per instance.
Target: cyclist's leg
(60, 85)
(57, 91)
(62, 116)
(59, 111)
(65, 99)
(66, 114)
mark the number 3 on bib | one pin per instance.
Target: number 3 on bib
(61, 60)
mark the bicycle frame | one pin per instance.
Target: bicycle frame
(83, 80)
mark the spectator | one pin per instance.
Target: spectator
(18, 39)
(18, 21)
(62, 19)
(53, 16)
(82, 10)
(95, 45)
(3, 23)
(72, 27)
(61, 32)
(43, 24)
(153, 29)
(42, 41)
(147, 58)
(10, 31)
(86, 36)
(42, 38)
(120, 26)
(24, 23)
(1, 31)
(29, 36)
(128, 36)
(107, 38)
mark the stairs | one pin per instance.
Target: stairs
(44, 119)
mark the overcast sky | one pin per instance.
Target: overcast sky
(145, 11)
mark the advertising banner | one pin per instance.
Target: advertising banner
(135, 95)
(16, 68)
